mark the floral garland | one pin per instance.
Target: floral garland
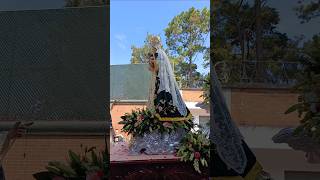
(195, 148)
(142, 121)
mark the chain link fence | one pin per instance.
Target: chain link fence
(274, 73)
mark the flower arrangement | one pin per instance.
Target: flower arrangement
(195, 148)
(142, 121)
(86, 166)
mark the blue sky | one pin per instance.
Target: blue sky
(289, 23)
(132, 20)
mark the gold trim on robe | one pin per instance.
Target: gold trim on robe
(173, 118)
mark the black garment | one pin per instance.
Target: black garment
(219, 169)
(2, 177)
(164, 107)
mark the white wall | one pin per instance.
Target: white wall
(277, 161)
(275, 158)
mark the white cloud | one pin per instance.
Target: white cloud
(121, 40)
(120, 37)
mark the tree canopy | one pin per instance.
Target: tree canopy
(309, 10)
(185, 37)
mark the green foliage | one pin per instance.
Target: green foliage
(182, 71)
(140, 54)
(186, 35)
(206, 89)
(234, 29)
(195, 148)
(143, 121)
(234, 25)
(79, 166)
(308, 106)
(308, 10)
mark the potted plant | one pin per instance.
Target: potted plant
(88, 165)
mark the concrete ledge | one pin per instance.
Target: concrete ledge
(257, 86)
(261, 137)
(63, 127)
(129, 101)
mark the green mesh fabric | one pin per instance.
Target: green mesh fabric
(53, 64)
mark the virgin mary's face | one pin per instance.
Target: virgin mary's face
(153, 56)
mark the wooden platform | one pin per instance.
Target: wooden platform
(149, 167)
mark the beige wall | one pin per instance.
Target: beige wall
(192, 95)
(263, 107)
(248, 106)
(39, 150)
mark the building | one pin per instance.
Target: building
(258, 110)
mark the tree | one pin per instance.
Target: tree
(244, 33)
(82, 3)
(308, 11)
(182, 71)
(138, 54)
(308, 87)
(186, 35)
(236, 26)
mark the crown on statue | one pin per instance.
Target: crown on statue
(154, 41)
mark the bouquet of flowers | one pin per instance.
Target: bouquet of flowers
(86, 166)
(195, 148)
(142, 121)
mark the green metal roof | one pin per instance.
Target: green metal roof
(129, 82)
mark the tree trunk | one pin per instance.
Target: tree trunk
(259, 72)
(241, 39)
(190, 79)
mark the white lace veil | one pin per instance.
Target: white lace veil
(168, 82)
(224, 132)
(167, 78)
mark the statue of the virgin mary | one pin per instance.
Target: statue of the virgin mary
(166, 101)
(164, 94)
